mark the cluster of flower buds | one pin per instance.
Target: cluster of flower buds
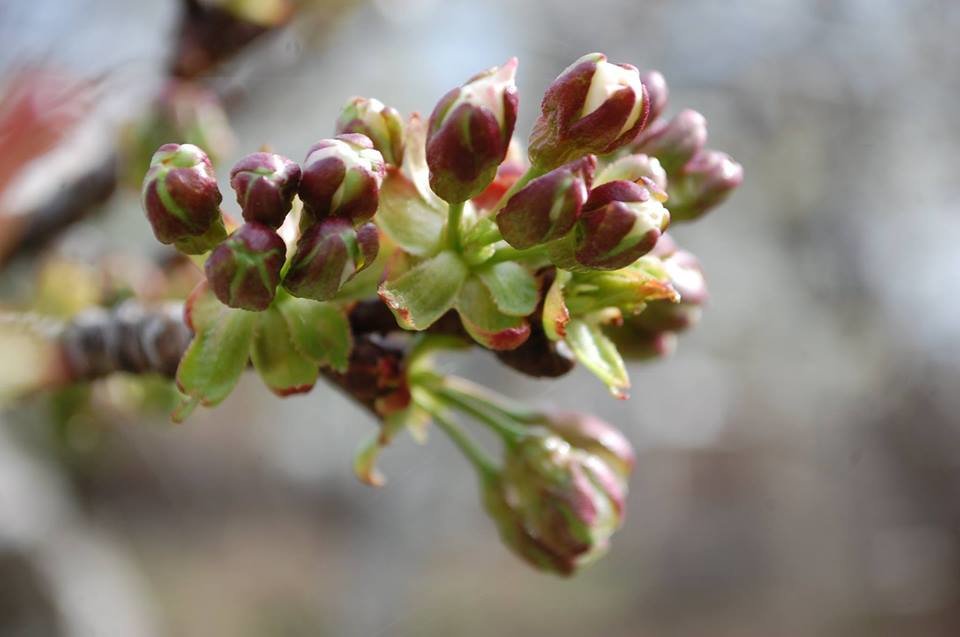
(339, 186)
(559, 255)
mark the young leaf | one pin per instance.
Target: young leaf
(484, 321)
(421, 295)
(319, 331)
(283, 369)
(218, 354)
(512, 287)
(410, 221)
(598, 353)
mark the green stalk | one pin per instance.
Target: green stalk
(510, 253)
(485, 413)
(454, 216)
(486, 468)
(509, 408)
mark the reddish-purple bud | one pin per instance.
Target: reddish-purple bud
(674, 142)
(342, 178)
(657, 93)
(705, 182)
(244, 270)
(381, 123)
(180, 193)
(328, 255)
(621, 221)
(592, 107)
(547, 207)
(265, 184)
(470, 131)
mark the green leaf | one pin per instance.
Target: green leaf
(421, 295)
(484, 321)
(218, 354)
(319, 331)
(410, 221)
(598, 354)
(283, 369)
(512, 287)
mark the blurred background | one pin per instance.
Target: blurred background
(799, 455)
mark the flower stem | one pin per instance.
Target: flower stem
(485, 467)
(498, 421)
(510, 253)
(454, 216)
(509, 408)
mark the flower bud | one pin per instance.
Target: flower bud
(674, 142)
(342, 178)
(470, 131)
(705, 182)
(635, 167)
(621, 221)
(556, 505)
(587, 432)
(547, 207)
(381, 123)
(657, 93)
(265, 184)
(592, 107)
(180, 194)
(328, 255)
(244, 270)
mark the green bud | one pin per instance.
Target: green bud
(382, 124)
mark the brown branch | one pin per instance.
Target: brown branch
(137, 339)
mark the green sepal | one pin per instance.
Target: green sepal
(485, 322)
(218, 353)
(205, 242)
(598, 354)
(423, 294)
(281, 366)
(556, 316)
(411, 222)
(512, 287)
(319, 331)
